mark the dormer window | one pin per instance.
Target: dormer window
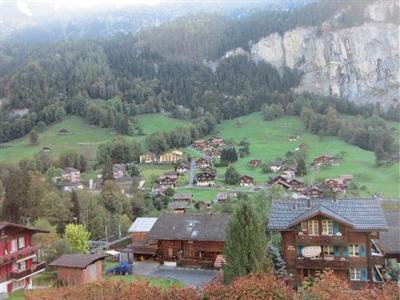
(327, 227)
(313, 228)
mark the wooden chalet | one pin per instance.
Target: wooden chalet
(216, 142)
(205, 179)
(225, 197)
(168, 181)
(390, 240)
(312, 192)
(325, 160)
(203, 163)
(246, 180)
(338, 184)
(320, 234)
(142, 246)
(148, 158)
(71, 175)
(200, 144)
(214, 153)
(275, 166)
(254, 163)
(295, 183)
(183, 198)
(178, 207)
(181, 168)
(190, 240)
(118, 170)
(288, 172)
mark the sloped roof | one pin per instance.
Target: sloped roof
(4, 224)
(182, 197)
(142, 225)
(79, 261)
(200, 227)
(178, 205)
(364, 214)
(390, 240)
(319, 210)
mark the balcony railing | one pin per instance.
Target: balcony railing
(11, 257)
(323, 263)
(21, 274)
(321, 240)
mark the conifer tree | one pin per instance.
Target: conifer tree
(245, 244)
(107, 170)
(75, 210)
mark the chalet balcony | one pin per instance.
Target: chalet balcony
(333, 263)
(321, 240)
(196, 262)
(11, 257)
(36, 267)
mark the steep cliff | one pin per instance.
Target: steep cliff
(359, 63)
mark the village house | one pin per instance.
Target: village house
(295, 183)
(79, 268)
(205, 179)
(18, 257)
(275, 166)
(200, 144)
(390, 240)
(338, 184)
(71, 174)
(246, 180)
(254, 163)
(181, 168)
(183, 198)
(214, 153)
(216, 142)
(178, 207)
(142, 246)
(225, 197)
(288, 172)
(312, 192)
(148, 158)
(167, 181)
(68, 186)
(118, 170)
(325, 160)
(281, 181)
(320, 234)
(190, 240)
(203, 163)
(170, 157)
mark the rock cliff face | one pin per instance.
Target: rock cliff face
(359, 63)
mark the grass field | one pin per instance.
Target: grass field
(270, 140)
(83, 137)
(200, 194)
(158, 123)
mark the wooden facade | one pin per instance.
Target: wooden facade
(246, 180)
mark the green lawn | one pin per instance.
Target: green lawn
(203, 194)
(270, 140)
(83, 137)
(158, 123)
(18, 295)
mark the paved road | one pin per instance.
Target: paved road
(189, 277)
(192, 173)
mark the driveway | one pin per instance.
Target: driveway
(189, 277)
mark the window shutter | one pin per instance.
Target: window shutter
(336, 228)
(346, 251)
(364, 274)
(362, 250)
(336, 251)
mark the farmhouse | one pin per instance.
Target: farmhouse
(254, 163)
(142, 246)
(320, 234)
(246, 180)
(71, 174)
(79, 268)
(167, 181)
(68, 186)
(225, 197)
(18, 257)
(338, 184)
(312, 192)
(170, 157)
(178, 207)
(190, 240)
(275, 166)
(183, 197)
(390, 240)
(214, 153)
(181, 168)
(205, 179)
(148, 158)
(324, 160)
(200, 144)
(203, 163)
(288, 172)
(118, 170)
(216, 142)
(296, 183)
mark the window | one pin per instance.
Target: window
(15, 267)
(22, 266)
(355, 274)
(327, 227)
(354, 250)
(313, 227)
(21, 242)
(304, 226)
(14, 245)
(328, 250)
(189, 252)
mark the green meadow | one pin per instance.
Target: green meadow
(158, 123)
(270, 140)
